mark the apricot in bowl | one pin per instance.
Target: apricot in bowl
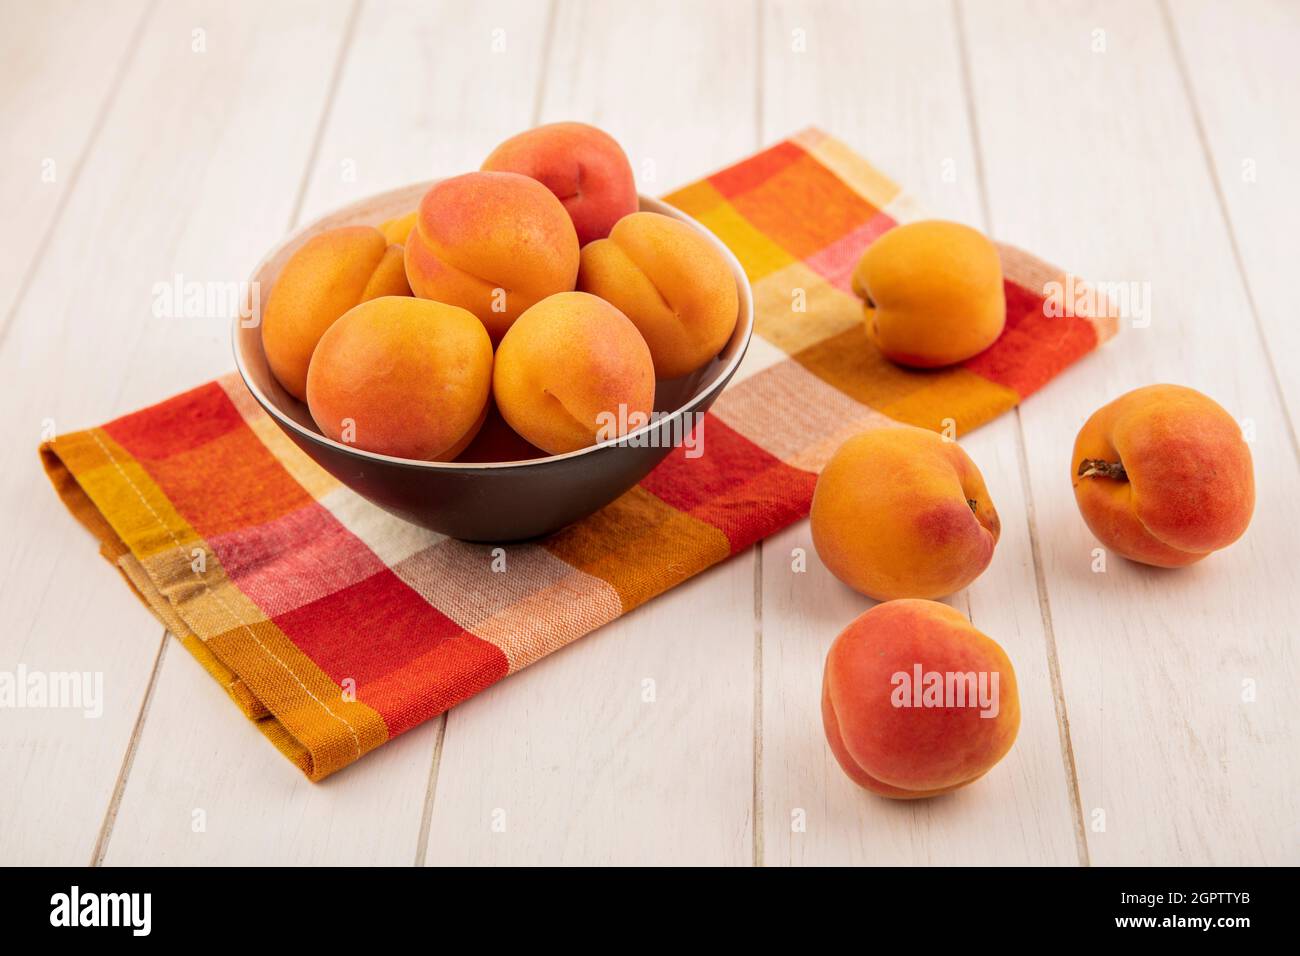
(671, 281)
(583, 166)
(572, 371)
(328, 275)
(402, 376)
(493, 243)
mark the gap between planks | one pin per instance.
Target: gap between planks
(128, 759)
(1031, 518)
(1180, 63)
(110, 97)
(426, 817)
(92, 139)
(340, 61)
(435, 762)
(544, 61)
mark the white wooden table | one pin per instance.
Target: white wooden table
(1146, 142)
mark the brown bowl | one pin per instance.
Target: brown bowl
(476, 501)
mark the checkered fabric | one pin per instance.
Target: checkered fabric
(336, 626)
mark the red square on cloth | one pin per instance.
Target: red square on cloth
(179, 424)
(758, 169)
(227, 483)
(367, 630)
(1034, 347)
(735, 486)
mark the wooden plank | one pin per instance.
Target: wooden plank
(205, 788)
(903, 108)
(61, 64)
(581, 767)
(568, 761)
(383, 127)
(632, 747)
(55, 593)
(429, 90)
(1250, 128)
(170, 185)
(1099, 166)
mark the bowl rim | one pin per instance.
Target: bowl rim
(745, 317)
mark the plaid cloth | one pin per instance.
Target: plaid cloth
(335, 626)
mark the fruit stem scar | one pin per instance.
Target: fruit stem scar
(1091, 467)
(974, 505)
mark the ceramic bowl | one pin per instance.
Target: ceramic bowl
(483, 501)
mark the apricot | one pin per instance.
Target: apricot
(671, 282)
(573, 370)
(331, 273)
(396, 230)
(583, 166)
(917, 702)
(899, 512)
(933, 293)
(402, 376)
(1163, 476)
(492, 243)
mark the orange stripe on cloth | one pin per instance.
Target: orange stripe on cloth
(317, 728)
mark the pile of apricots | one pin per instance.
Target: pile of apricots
(1162, 476)
(528, 306)
(519, 305)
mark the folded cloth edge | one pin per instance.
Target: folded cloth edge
(114, 550)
